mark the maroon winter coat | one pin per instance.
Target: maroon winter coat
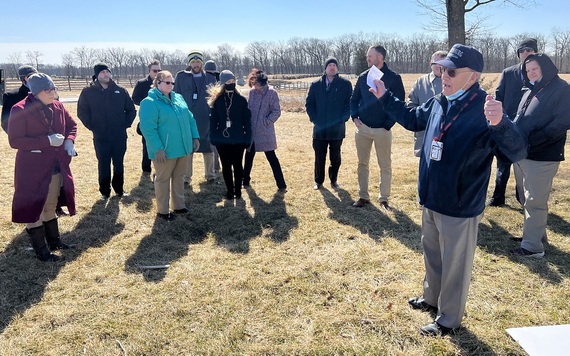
(28, 130)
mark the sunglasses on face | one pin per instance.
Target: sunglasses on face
(155, 70)
(451, 72)
(167, 82)
(523, 50)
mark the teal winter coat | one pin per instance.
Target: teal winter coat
(167, 124)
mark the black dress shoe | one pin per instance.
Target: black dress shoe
(181, 211)
(335, 185)
(435, 329)
(167, 217)
(420, 303)
(360, 203)
(496, 202)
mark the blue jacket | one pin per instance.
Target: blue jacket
(167, 124)
(329, 108)
(457, 184)
(365, 106)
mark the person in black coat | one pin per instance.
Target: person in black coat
(107, 110)
(230, 130)
(509, 93)
(12, 97)
(328, 107)
(139, 93)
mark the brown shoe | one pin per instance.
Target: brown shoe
(361, 202)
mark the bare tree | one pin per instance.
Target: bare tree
(34, 58)
(561, 39)
(454, 12)
(15, 60)
(118, 56)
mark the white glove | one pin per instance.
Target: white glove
(69, 147)
(55, 140)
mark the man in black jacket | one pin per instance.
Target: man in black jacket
(328, 107)
(509, 93)
(107, 110)
(10, 98)
(373, 127)
(139, 93)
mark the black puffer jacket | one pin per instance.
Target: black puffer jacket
(544, 112)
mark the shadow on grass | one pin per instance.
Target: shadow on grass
(372, 221)
(496, 240)
(469, 344)
(23, 278)
(273, 215)
(142, 195)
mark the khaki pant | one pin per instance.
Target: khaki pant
(382, 140)
(48, 213)
(170, 173)
(209, 172)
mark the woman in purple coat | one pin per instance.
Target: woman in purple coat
(265, 110)
(43, 132)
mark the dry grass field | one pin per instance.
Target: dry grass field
(303, 273)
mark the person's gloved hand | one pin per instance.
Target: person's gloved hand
(56, 140)
(69, 147)
(195, 145)
(160, 156)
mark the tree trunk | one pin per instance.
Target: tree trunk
(455, 22)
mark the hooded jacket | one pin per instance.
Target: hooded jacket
(106, 112)
(329, 108)
(457, 184)
(167, 124)
(544, 112)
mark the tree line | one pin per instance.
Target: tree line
(297, 56)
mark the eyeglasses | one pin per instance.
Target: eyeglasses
(453, 72)
(155, 70)
(167, 82)
(50, 90)
(522, 50)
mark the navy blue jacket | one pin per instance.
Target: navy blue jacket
(544, 112)
(9, 99)
(457, 184)
(106, 112)
(329, 108)
(365, 106)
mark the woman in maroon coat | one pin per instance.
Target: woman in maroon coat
(43, 132)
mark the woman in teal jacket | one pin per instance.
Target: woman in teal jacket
(171, 135)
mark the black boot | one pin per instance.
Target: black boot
(38, 241)
(52, 236)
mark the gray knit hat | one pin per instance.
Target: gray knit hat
(210, 66)
(24, 71)
(40, 81)
(226, 75)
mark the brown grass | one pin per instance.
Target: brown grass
(303, 274)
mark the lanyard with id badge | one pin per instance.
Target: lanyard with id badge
(436, 150)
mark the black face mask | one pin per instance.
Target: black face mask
(231, 86)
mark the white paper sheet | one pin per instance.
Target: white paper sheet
(543, 340)
(373, 73)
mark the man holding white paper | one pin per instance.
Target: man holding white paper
(373, 125)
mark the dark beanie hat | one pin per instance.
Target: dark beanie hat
(331, 60)
(99, 67)
(528, 43)
(210, 66)
(24, 71)
(40, 81)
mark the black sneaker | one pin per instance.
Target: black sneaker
(420, 303)
(526, 253)
(496, 202)
(167, 217)
(181, 211)
(436, 329)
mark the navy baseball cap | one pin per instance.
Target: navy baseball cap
(462, 56)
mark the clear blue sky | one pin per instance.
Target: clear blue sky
(56, 28)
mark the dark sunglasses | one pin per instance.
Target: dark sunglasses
(167, 82)
(522, 50)
(155, 70)
(451, 72)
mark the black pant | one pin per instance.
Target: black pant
(107, 151)
(146, 162)
(501, 180)
(273, 162)
(320, 147)
(232, 158)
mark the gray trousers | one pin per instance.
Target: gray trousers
(534, 182)
(449, 248)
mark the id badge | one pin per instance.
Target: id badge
(195, 96)
(228, 124)
(436, 150)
